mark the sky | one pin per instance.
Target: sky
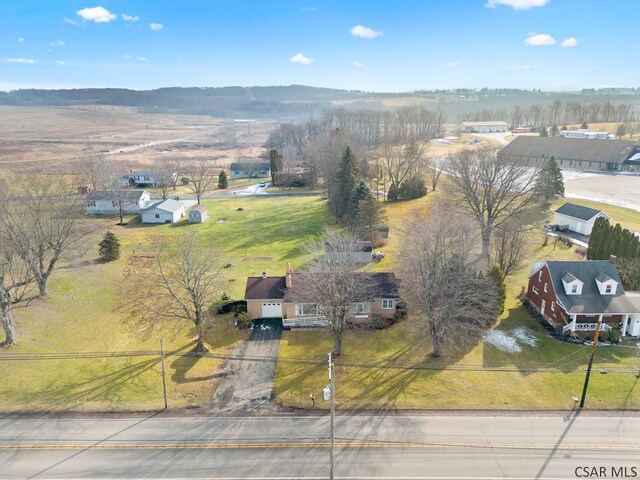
(374, 45)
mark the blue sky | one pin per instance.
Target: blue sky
(370, 45)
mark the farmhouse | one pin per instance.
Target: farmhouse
(250, 170)
(574, 295)
(575, 153)
(485, 127)
(359, 252)
(270, 297)
(198, 214)
(577, 218)
(108, 203)
(167, 211)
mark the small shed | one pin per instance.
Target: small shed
(198, 214)
(578, 218)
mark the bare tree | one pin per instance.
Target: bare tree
(434, 170)
(493, 189)
(15, 282)
(118, 191)
(509, 247)
(333, 283)
(177, 285)
(201, 179)
(164, 175)
(96, 170)
(44, 221)
(437, 271)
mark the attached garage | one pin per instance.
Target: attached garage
(272, 310)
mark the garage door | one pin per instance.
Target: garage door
(271, 310)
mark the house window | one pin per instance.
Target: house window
(157, 215)
(306, 309)
(545, 288)
(114, 203)
(540, 276)
(146, 179)
(534, 290)
(359, 308)
(574, 288)
(553, 306)
(91, 203)
(608, 289)
(388, 303)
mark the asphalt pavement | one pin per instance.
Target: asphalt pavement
(445, 446)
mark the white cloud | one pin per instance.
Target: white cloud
(21, 39)
(96, 14)
(517, 4)
(60, 62)
(129, 18)
(520, 68)
(156, 27)
(453, 64)
(57, 43)
(142, 59)
(301, 59)
(20, 60)
(540, 39)
(365, 32)
(569, 42)
(71, 22)
(358, 64)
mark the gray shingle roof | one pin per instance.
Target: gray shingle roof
(166, 206)
(578, 211)
(609, 151)
(250, 165)
(590, 301)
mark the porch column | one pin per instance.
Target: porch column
(625, 321)
(573, 322)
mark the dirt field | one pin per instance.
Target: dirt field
(52, 139)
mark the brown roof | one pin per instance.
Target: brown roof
(378, 284)
(269, 288)
(200, 208)
(609, 151)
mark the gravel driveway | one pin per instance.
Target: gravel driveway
(248, 386)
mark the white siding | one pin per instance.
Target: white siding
(575, 224)
(161, 217)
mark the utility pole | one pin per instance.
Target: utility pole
(332, 428)
(596, 336)
(164, 379)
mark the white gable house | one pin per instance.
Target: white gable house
(107, 203)
(167, 211)
(577, 218)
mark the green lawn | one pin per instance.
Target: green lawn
(81, 313)
(393, 369)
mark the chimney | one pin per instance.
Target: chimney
(264, 275)
(288, 276)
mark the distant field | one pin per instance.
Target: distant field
(53, 138)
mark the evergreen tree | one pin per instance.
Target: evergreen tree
(222, 180)
(584, 126)
(496, 276)
(564, 127)
(275, 164)
(554, 131)
(616, 239)
(595, 239)
(544, 132)
(622, 131)
(370, 213)
(109, 247)
(346, 178)
(359, 194)
(550, 184)
(412, 188)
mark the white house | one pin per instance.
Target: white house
(577, 218)
(198, 214)
(587, 134)
(250, 170)
(106, 203)
(167, 211)
(142, 178)
(485, 127)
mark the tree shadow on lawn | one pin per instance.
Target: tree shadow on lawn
(184, 362)
(547, 353)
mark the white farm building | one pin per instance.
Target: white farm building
(485, 127)
(167, 211)
(577, 218)
(108, 203)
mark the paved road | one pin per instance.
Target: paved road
(369, 447)
(248, 387)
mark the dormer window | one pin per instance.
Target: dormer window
(572, 285)
(606, 284)
(574, 288)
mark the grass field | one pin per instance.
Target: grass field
(81, 314)
(393, 369)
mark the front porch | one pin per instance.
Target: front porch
(628, 323)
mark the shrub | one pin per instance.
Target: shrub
(243, 321)
(401, 309)
(378, 322)
(297, 183)
(613, 336)
(581, 251)
(236, 306)
(184, 181)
